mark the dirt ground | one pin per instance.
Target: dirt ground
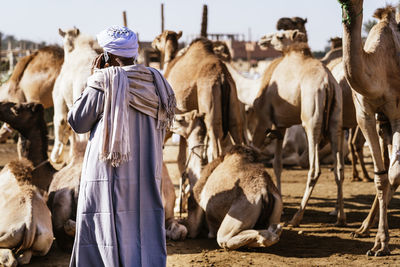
(316, 242)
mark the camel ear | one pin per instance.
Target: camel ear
(305, 21)
(294, 34)
(61, 32)
(76, 31)
(179, 35)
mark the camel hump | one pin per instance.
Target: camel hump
(20, 68)
(21, 169)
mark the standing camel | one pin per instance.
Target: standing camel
(301, 90)
(373, 73)
(202, 82)
(32, 81)
(79, 52)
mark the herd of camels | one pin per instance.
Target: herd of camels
(227, 123)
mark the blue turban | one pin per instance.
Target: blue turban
(119, 41)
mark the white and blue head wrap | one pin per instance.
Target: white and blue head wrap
(119, 41)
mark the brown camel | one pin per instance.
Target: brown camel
(32, 80)
(28, 120)
(301, 90)
(373, 73)
(295, 23)
(25, 226)
(202, 82)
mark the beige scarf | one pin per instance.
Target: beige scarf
(118, 94)
(115, 139)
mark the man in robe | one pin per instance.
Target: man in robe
(126, 108)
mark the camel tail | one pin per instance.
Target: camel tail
(232, 109)
(329, 105)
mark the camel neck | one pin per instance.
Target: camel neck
(353, 53)
(37, 153)
(169, 53)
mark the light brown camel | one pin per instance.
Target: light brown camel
(79, 51)
(373, 73)
(301, 90)
(335, 52)
(235, 195)
(356, 139)
(25, 225)
(202, 82)
(28, 120)
(32, 80)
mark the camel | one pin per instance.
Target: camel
(335, 52)
(301, 90)
(295, 23)
(79, 52)
(28, 120)
(25, 227)
(238, 199)
(32, 81)
(27, 232)
(202, 82)
(373, 73)
(356, 139)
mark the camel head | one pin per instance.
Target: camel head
(222, 51)
(22, 117)
(282, 40)
(295, 23)
(185, 123)
(69, 37)
(168, 40)
(336, 42)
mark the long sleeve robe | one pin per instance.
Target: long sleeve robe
(120, 217)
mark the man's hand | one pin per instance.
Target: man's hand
(98, 62)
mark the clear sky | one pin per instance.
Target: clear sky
(39, 20)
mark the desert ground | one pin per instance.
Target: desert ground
(317, 242)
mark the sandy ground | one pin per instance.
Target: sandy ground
(316, 242)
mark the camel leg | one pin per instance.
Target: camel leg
(367, 125)
(25, 257)
(7, 258)
(182, 155)
(358, 142)
(336, 138)
(254, 238)
(313, 173)
(277, 163)
(211, 106)
(352, 134)
(241, 216)
(61, 129)
(195, 218)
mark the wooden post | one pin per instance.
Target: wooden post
(162, 18)
(203, 32)
(124, 17)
